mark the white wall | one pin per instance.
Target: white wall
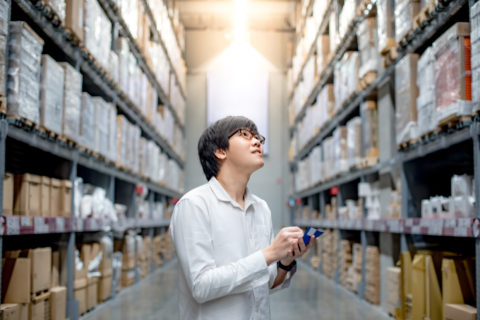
(272, 181)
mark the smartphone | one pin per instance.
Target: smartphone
(311, 232)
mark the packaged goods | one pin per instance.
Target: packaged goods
(405, 12)
(72, 101)
(369, 56)
(369, 116)
(385, 24)
(51, 98)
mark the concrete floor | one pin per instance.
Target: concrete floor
(309, 297)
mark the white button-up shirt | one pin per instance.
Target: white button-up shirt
(223, 273)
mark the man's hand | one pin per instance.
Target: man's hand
(298, 251)
(285, 245)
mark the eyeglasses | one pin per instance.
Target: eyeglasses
(248, 135)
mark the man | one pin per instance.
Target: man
(229, 259)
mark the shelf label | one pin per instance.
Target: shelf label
(460, 232)
(59, 225)
(13, 225)
(41, 225)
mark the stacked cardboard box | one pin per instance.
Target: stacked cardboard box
(59, 7)
(406, 98)
(333, 32)
(369, 55)
(72, 102)
(127, 247)
(323, 50)
(393, 291)
(347, 15)
(105, 269)
(354, 276)
(345, 261)
(331, 209)
(316, 165)
(385, 24)
(475, 52)
(354, 141)
(405, 12)
(98, 32)
(329, 252)
(427, 119)
(345, 84)
(394, 210)
(157, 251)
(74, 18)
(369, 115)
(351, 210)
(453, 77)
(372, 275)
(371, 193)
(24, 68)
(51, 98)
(8, 192)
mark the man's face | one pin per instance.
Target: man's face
(245, 151)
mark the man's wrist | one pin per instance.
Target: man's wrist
(287, 267)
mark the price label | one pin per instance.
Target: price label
(460, 232)
(41, 225)
(26, 222)
(416, 230)
(59, 225)
(13, 225)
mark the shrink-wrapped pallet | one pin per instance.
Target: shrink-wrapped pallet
(4, 10)
(59, 7)
(316, 165)
(329, 157)
(453, 73)
(122, 135)
(333, 30)
(87, 121)
(98, 32)
(345, 83)
(24, 68)
(341, 158)
(354, 141)
(72, 101)
(405, 12)
(112, 132)
(426, 93)
(475, 54)
(406, 98)
(347, 15)
(101, 126)
(51, 97)
(369, 55)
(369, 114)
(385, 24)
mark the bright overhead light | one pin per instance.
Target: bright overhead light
(240, 20)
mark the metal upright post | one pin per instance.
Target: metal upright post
(405, 209)
(364, 243)
(72, 304)
(339, 237)
(310, 209)
(3, 141)
(476, 168)
(151, 204)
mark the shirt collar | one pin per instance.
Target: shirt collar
(223, 195)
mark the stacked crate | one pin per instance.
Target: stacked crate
(355, 271)
(329, 253)
(372, 275)
(345, 261)
(393, 291)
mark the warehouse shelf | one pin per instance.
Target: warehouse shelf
(182, 52)
(60, 36)
(40, 141)
(113, 13)
(461, 227)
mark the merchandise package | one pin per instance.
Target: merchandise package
(475, 52)
(347, 15)
(144, 157)
(178, 103)
(316, 165)
(462, 186)
(98, 32)
(341, 158)
(51, 98)
(319, 9)
(333, 31)
(453, 74)
(405, 13)
(354, 141)
(309, 73)
(369, 55)
(369, 114)
(320, 113)
(24, 69)
(112, 132)
(123, 58)
(87, 121)
(426, 96)
(101, 126)
(385, 24)
(72, 101)
(58, 6)
(323, 51)
(406, 98)
(114, 68)
(135, 152)
(129, 11)
(142, 93)
(345, 83)
(329, 157)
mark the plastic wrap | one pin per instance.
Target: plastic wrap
(87, 119)
(114, 68)
(101, 126)
(129, 11)
(347, 16)
(116, 270)
(369, 114)
(309, 73)
(23, 83)
(320, 109)
(354, 141)
(112, 131)
(329, 157)
(345, 83)
(475, 52)
(77, 196)
(341, 158)
(72, 101)
(406, 98)
(367, 39)
(426, 97)
(462, 186)
(58, 6)
(405, 12)
(333, 32)
(98, 32)
(385, 23)
(316, 165)
(453, 78)
(51, 98)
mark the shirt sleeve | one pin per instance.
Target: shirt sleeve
(191, 235)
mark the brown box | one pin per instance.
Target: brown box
(460, 312)
(55, 195)
(8, 183)
(92, 292)
(80, 294)
(128, 278)
(58, 303)
(66, 198)
(74, 18)
(41, 268)
(39, 307)
(104, 287)
(16, 270)
(10, 311)
(55, 274)
(45, 188)
(27, 195)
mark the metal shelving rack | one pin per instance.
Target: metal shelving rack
(13, 133)
(410, 225)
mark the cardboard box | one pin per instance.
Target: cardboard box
(55, 195)
(45, 187)
(58, 303)
(39, 307)
(128, 278)
(66, 198)
(104, 287)
(16, 274)
(74, 18)
(10, 311)
(8, 187)
(55, 274)
(80, 294)
(92, 292)
(41, 261)
(460, 312)
(27, 195)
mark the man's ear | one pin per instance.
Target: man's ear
(220, 154)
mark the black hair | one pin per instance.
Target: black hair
(216, 137)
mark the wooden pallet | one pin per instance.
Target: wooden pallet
(424, 16)
(48, 132)
(368, 79)
(23, 122)
(367, 162)
(40, 295)
(67, 140)
(454, 121)
(407, 144)
(390, 56)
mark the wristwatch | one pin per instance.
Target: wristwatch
(287, 268)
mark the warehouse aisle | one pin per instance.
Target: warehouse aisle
(309, 297)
